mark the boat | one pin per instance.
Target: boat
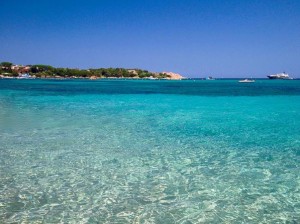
(24, 76)
(247, 80)
(210, 78)
(280, 76)
(151, 78)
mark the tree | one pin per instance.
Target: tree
(6, 64)
(41, 68)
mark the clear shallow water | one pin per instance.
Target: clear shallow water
(149, 151)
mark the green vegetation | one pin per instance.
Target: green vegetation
(47, 71)
(119, 72)
(5, 69)
(6, 64)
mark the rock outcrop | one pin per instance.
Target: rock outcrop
(173, 75)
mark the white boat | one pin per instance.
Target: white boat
(247, 80)
(280, 76)
(24, 76)
(210, 78)
(151, 77)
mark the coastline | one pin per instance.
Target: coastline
(10, 70)
(88, 78)
(135, 78)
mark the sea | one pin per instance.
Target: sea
(149, 151)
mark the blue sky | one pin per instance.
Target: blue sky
(196, 38)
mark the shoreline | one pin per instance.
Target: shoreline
(128, 78)
(88, 78)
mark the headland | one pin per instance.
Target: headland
(10, 70)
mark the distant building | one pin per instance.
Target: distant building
(20, 69)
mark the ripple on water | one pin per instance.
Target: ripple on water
(138, 159)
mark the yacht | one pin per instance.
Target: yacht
(210, 78)
(24, 76)
(280, 76)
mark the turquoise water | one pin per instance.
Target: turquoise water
(115, 151)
